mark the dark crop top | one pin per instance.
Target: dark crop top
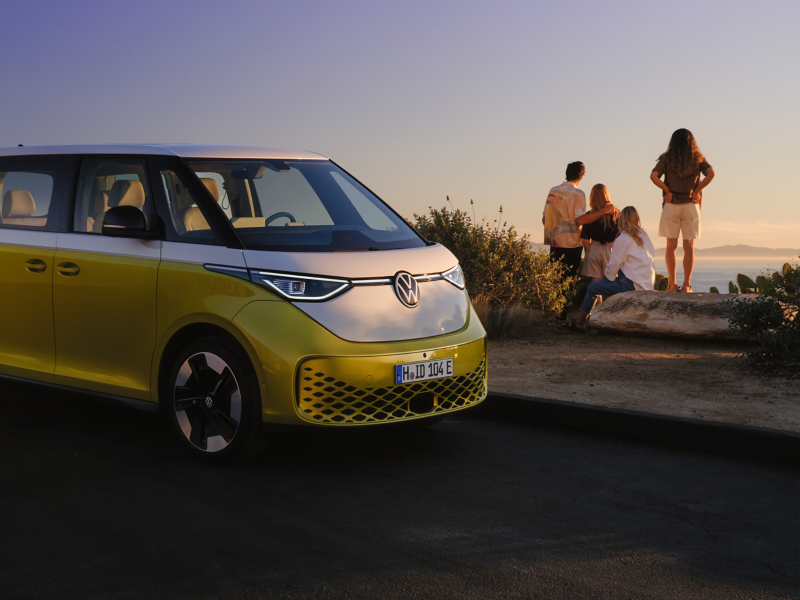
(597, 232)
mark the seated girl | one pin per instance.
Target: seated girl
(630, 266)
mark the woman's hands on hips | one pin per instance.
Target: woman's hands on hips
(697, 196)
(668, 197)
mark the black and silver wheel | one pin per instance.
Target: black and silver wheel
(214, 402)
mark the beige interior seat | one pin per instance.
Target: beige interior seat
(125, 192)
(100, 206)
(18, 208)
(191, 217)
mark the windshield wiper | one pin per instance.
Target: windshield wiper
(370, 249)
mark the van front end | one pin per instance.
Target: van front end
(313, 377)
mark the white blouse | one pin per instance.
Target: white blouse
(633, 260)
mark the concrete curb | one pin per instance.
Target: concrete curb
(756, 443)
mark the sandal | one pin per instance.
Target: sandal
(687, 288)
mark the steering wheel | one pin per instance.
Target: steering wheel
(278, 215)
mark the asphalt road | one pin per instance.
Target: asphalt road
(97, 501)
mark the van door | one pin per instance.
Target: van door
(104, 288)
(31, 188)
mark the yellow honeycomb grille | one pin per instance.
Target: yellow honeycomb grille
(325, 399)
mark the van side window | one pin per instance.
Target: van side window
(189, 224)
(105, 184)
(28, 186)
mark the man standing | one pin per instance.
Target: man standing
(565, 203)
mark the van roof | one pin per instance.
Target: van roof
(184, 150)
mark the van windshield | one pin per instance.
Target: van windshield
(302, 206)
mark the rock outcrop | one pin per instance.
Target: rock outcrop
(665, 314)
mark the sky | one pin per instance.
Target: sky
(482, 101)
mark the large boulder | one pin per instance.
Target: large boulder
(666, 314)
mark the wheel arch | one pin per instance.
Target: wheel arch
(184, 333)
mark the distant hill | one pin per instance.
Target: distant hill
(741, 251)
(737, 251)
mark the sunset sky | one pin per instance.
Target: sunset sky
(476, 100)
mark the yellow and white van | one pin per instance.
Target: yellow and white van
(230, 287)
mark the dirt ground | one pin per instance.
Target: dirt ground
(680, 378)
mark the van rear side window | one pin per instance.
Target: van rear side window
(26, 197)
(31, 190)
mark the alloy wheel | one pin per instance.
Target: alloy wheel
(208, 402)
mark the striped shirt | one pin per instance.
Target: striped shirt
(681, 187)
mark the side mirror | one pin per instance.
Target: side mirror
(126, 221)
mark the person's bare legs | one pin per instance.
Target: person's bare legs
(671, 259)
(688, 264)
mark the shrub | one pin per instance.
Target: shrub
(661, 283)
(502, 322)
(500, 267)
(772, 319)
(713, 290)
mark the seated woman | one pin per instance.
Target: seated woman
(598, 236)
(629, 268)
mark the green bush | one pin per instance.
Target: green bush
(662, 283)
(772, 319)
(499, 265)
(713, 290)
(503, 322)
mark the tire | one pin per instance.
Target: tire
(213, 402)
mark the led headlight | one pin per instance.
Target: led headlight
(300, 287)
(455, 276)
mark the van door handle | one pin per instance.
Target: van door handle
(68, 269)
(35, 265)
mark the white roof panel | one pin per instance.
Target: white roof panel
(184, 150)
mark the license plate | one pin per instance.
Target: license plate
(420, 371)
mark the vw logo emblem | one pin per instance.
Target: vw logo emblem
(406, 288)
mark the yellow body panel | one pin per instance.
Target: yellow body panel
(282, 337)
(189, 294)
(105, 323)
(27, 343)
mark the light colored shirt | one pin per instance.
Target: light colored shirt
(633, 260)
(565, 203)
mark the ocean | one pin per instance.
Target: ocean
(719, 271)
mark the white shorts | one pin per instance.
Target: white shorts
(677, 219)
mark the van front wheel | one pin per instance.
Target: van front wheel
(214, 404)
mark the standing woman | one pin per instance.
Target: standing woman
(629, 268)
(681, 166)
(599, 235)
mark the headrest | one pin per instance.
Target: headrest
(126, 192)
(18, 203)
(211, 185)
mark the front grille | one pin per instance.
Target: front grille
(323, 398)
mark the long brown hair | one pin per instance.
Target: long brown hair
(683, 153)
(630, 223)
(598, 198)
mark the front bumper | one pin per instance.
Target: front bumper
(354, 381)
(352, 390)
